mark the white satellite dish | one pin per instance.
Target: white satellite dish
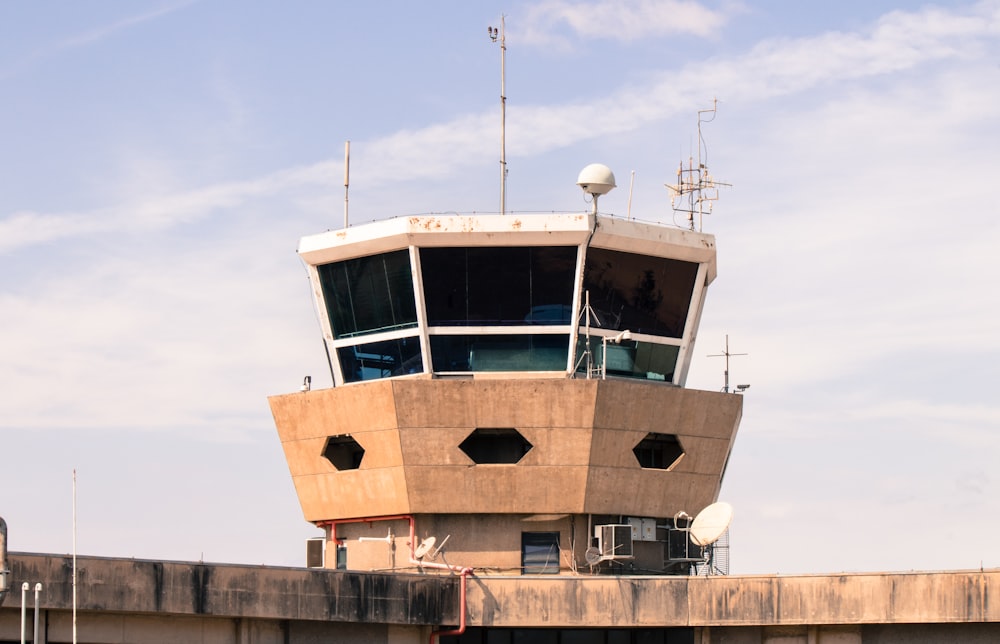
(592, 556)
(425, 546)
(711, 523)
(596, 179)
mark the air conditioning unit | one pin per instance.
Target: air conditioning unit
(614, 541)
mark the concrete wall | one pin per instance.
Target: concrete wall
(582, 432)
(123, 600)
(847, 599)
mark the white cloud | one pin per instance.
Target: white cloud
(615, 20)
(771, 69)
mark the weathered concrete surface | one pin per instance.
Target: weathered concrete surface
(125, 600)
(176, 588)
(883, 598)
(582, 433)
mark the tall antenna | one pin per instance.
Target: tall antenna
(74, 555)
(501, 34)
(695, 189)
(728, 355)
(347, 176)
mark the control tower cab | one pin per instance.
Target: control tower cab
(511, 387)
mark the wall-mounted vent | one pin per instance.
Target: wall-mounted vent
(495, 446)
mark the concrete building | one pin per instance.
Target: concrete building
(509, 454)
(515, 385)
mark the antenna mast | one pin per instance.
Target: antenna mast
(727, 356)
(347, 176)
(494, 34)
(696, 183)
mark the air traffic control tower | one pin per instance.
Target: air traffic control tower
(509, 397)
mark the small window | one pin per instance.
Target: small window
(540, 553)
(658, 451)
(341, 557)
(343, 452)
(495, 446)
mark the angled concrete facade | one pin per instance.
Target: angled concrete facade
(582, 434)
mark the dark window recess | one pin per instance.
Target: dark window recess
(479, 286)
(658, 451)
(314, 552)
(495, 446)
(383, 359)
(369, 294)
(640, 293)
(343, 452)
(540, 553)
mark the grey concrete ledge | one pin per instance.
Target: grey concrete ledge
(224, 590)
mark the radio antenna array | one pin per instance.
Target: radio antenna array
(695, 189)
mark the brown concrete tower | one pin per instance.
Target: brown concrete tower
(512, 386)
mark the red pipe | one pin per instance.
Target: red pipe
(464, 572)
(462, 603)
(333, 523)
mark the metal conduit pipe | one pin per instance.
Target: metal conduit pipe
(461, 610)
(463, 571)
(4, 570)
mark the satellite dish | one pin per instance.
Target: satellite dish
(711, 523)
(425, 546)
(592, 555)
(596, 179)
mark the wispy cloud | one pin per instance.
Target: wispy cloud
(900, 41)
(545, 22)
(90, 37)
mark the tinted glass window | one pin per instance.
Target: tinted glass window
(369, 294)
(498, 286)
(629, 359)
(637, 292)
(499, 352)
(380, 359)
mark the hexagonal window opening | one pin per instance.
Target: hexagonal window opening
(658, 451)
(343, 452)
(495, 446)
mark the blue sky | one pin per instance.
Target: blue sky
(161, 160)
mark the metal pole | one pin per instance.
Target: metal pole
(74, 556)
(503, 118)
(4, 573)
(34, 633)
(590, 358)
(24, 606)
(604, 357)
(347, 176)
